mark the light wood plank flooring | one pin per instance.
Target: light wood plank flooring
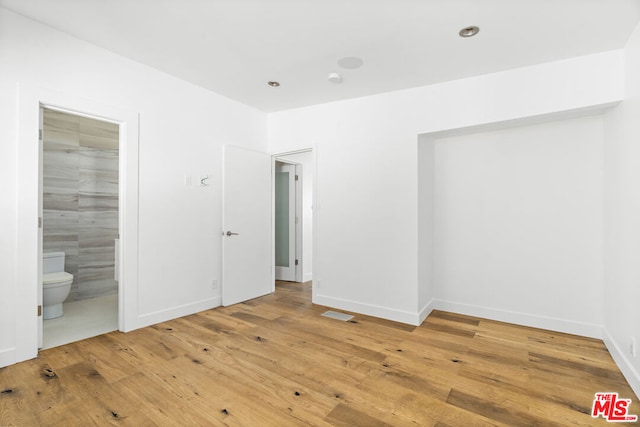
(275, 361)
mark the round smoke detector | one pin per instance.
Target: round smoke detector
(335, 78)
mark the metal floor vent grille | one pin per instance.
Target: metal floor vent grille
(337, 316)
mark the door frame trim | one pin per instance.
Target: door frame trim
(29, 246)
(314, 202)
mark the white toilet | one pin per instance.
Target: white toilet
(56, 284)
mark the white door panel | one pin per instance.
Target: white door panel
(247, 248)
(40, 223)
(285, 222)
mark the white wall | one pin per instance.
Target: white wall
(622, 222)
(306, 159)
(518, 224)
(182, 128)
(426, 223)
(367, 176)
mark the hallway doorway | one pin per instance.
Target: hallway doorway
(293, 210)
(288, 221)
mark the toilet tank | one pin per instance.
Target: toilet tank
(52, 262)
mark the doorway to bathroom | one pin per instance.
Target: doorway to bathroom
(80, 219)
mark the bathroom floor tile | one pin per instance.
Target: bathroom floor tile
(82, 319)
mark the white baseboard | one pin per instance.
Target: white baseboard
(425, 312)
(623, 362)
(524, 319)
(307, 277)
(148, 319)
(7, 357)
(368, 309)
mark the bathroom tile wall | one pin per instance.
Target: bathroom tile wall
(80, 199)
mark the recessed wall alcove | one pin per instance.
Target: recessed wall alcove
(510, 221)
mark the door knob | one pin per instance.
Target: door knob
(229, 233)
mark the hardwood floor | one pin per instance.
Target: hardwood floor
(275, 361)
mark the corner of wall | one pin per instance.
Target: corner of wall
(524, 319)
(370, 309)
(625, 365)
(425, 312)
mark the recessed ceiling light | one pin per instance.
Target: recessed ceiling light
(469, 31)
(350, 62)
(335, 78)
(273, 84)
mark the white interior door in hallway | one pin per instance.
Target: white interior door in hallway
(288, 221)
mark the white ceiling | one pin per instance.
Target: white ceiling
(233, 47)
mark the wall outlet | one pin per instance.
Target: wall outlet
(632, 347)
(214, 285)
(316, 283)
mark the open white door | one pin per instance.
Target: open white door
(285, 221)
(40, 222)
(247, 248)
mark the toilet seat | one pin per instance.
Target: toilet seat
(56, 278)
